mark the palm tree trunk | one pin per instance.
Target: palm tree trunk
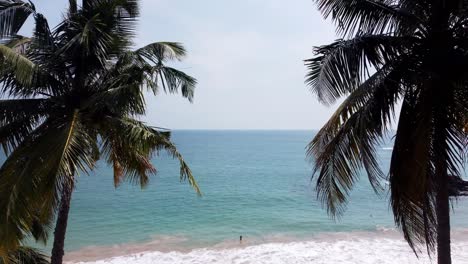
(443, 219)
(61, 225)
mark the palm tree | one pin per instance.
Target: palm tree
(72, 95)
(411, 53)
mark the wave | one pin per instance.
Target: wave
(384, 246)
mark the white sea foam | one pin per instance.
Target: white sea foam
(347, 249)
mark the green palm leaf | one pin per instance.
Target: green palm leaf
(23, 68)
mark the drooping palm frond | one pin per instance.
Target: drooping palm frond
(410, 175)
(161, 75)
(431, 139)
(143, 68)
(342, 66)
(346, 144)
(172, 80)
(32, 177)
(129, 146)
(23, 255)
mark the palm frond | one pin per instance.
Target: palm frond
(13, 15)
(18, 43)
(173, 80)
(122, 99)
(23, 68)
(43, 38)
(18, 118)
(72, 7)
(160, 52)
(129, 144)
(411, 174)
(342, 66)
(23, 255)
(365, 16)
(118, 17)
(346, 144)
(42, 165)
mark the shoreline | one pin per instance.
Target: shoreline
(355, 246)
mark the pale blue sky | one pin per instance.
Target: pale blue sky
(247, 56)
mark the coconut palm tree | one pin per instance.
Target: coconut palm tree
(71, 96)
(412, 53)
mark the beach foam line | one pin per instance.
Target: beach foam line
(340, 248)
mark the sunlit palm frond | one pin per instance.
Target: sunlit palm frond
(24, 69)
(139, 142)
(18, 43)
(146, 66)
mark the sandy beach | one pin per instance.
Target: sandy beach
(347, 248)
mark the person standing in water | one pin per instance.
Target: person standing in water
(240, 239)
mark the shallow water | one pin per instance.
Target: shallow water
(254, 183)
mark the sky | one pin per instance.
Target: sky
(247, 56)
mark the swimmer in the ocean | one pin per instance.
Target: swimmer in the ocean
(240, 239)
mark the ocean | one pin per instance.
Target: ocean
(255, 184)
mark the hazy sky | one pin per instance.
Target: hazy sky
(247, 56)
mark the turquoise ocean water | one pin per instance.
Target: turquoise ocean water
(255, 183)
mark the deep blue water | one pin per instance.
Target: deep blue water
(254, 183)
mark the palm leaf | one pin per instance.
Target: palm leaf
(366, 16)
(343, 65)
(23, 255)
(13, 15)
(42, 165)
(24, 69)
(160, 52)
(129, 145)
(173, 80)
(346, 144)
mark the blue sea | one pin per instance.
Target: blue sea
(254, 183)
